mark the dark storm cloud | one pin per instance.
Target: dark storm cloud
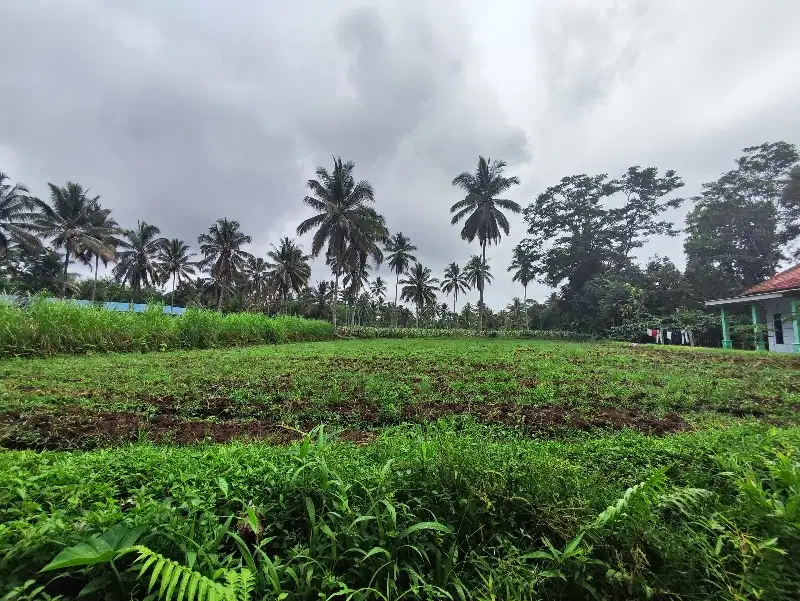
(181, 112)
(178, 113)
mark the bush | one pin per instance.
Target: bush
(49, 328)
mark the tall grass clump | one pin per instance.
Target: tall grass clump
(49, 328)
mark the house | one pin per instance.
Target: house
(779, 299)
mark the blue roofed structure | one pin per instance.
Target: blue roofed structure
(135, 307)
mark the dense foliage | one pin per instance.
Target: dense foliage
(428, 513)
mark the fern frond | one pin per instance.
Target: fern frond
(634, 501)
(685, 500)
(170, 576)
(241, 583)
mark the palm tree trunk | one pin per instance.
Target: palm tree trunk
(94, 285)
(417, 314)
(455, 315)
(394, 312)
(172, 297)
(525, 304)
(66, 266)
(335, 295)
(482, 284)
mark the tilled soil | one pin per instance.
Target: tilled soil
(75, 427)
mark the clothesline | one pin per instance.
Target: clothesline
(686, 335)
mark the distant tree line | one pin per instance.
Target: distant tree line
(583, 234)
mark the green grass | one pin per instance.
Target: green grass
(481, 469)
(52, 328)
(545, 388)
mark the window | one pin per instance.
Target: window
(778, 325)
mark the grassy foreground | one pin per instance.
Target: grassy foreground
(494, 470)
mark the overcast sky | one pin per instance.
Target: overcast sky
(184, 111)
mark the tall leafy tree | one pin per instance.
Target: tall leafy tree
(106, 229)
(454, 282)
(790, 203)
(344, 217)
(19, 212)
(571, 215)
(741, 224)
(222, 252)
(378, 288)
(419, 287)
(137, 257)
(399, 252)
(67, 221)
(665, 289)
(175, 262)
(477, 273)
(481, 209)
(288, 267)
(637, 219)
(523, 265)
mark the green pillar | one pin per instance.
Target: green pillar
(756, 329)
(795, 318)
(726, 335)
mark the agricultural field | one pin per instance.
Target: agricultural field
(381, 469)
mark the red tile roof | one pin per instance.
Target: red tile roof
(785, 280)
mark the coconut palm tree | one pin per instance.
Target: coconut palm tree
(175, 261)
(256, 274)
(354, 267)
(289, 268)
(378, 289)
(106, 229)
(419, 287)
(68, 222)
(398, 251)
(19, 212)
(454, 281)
(443, 310)
(137, 259)
(515, 309)
(477, 272)
(222, 251)
(482, 208)
(343, 217)
(523, 264)
(466, 314)
(321, 294)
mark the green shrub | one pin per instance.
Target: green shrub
(49, 328)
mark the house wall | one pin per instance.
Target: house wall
(783, 307)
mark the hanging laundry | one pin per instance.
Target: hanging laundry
(669, 335)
